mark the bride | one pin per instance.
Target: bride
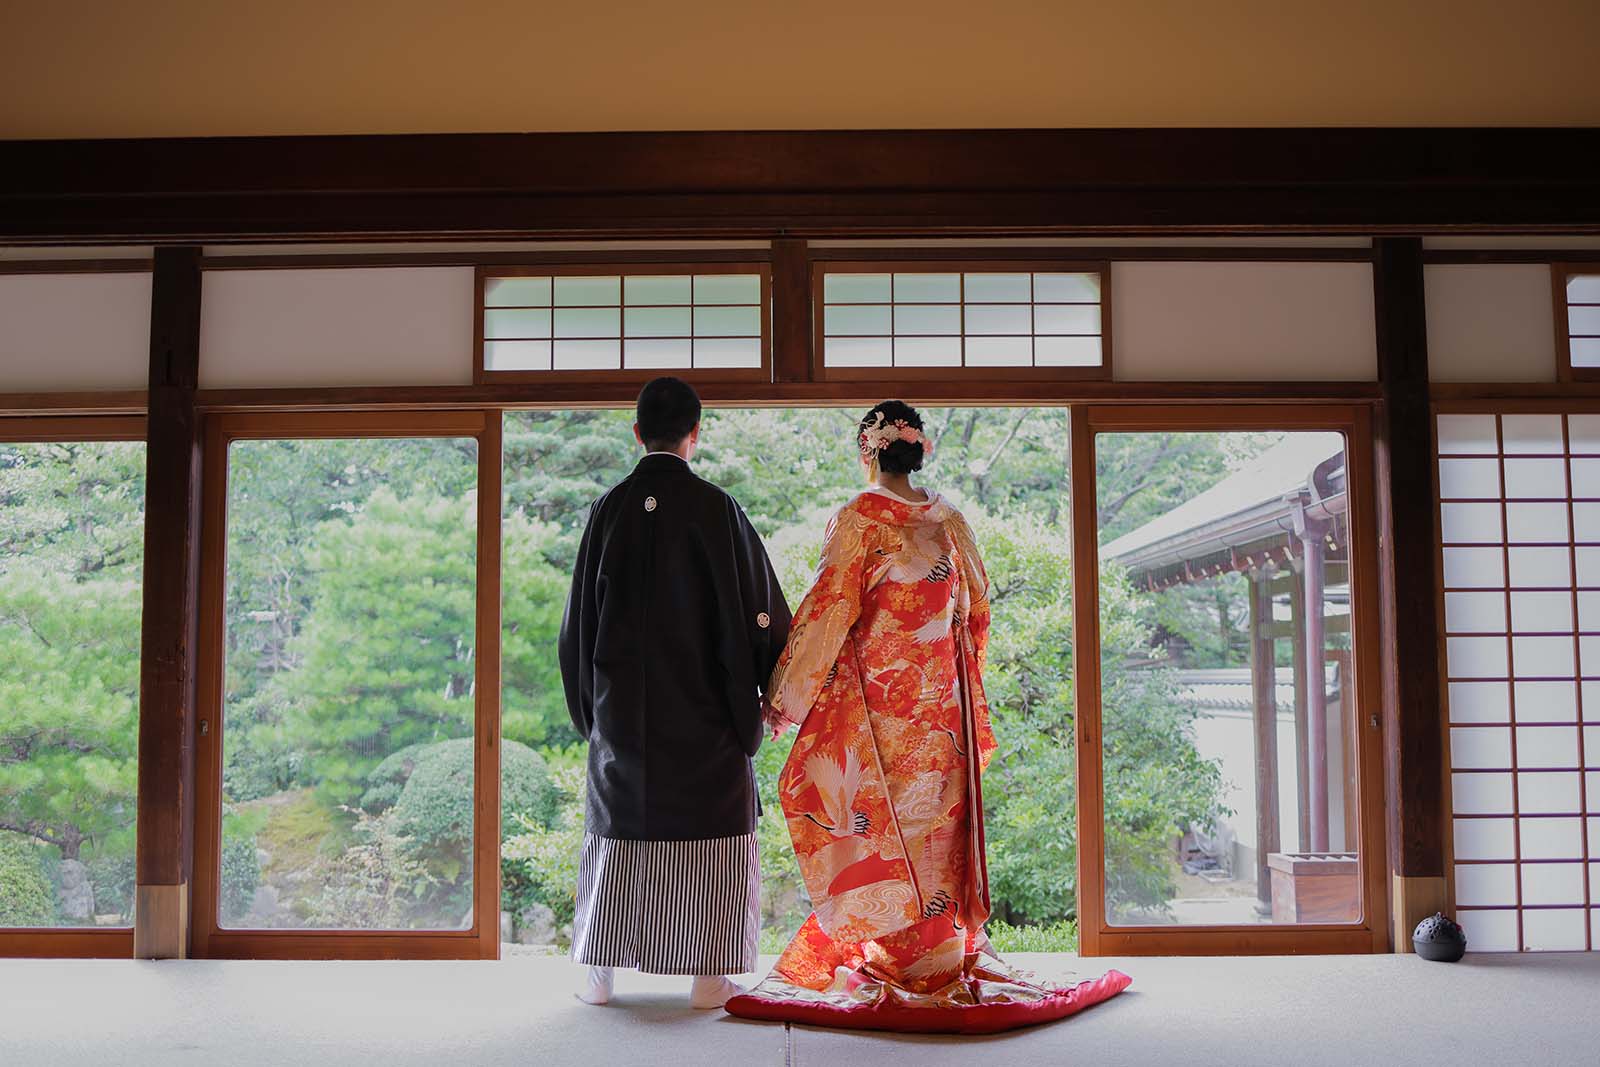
(883, 674)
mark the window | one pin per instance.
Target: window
(72, 530)
(709, 320)
(1519, 520)
(353, 577)
(993, 319)
(1578, 322)
(1231, 683)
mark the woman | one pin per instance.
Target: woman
(883, 673)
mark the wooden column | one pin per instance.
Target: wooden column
(791, 311)
(1409, 591)
(1264, 704)
(1302, 691)
(171, 572)
(1314, 642)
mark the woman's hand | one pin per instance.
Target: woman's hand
(773, 720)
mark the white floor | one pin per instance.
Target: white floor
(1284, 1011)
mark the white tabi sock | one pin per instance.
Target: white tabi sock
(597, 986)
(713, 991)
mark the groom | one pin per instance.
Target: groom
(672, 628)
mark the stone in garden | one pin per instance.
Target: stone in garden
(536, 925)
(76, 895)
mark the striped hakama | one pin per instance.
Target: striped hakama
(668, 907)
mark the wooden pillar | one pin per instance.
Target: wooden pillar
(171, 573)
(792, 310)
(1314, 642)
(1409, 591)
(1264, 705)
(1302, 739)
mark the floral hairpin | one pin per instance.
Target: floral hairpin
(880, 435)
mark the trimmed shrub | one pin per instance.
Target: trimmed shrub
(26, 897)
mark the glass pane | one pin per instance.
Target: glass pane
(727, 289)
(580, 290)
(1067, 351)
(588, 322)
(850, 321)
(657, 322)
(1467, 434)
(1470, 524)
(1480, 702)
(657, 289)
(1583, 321)
(999, 288)
(999, 319)
(656, 353)
(1585, 351)
(727, 322)
(1211, 657)
(727, 352)
(516, 355)
(516, 292)
(348, 712)
(999, 351)
(72, 526)
(927, 351)
(858, 352)
(1067, 318)
(588, 355)
(855, 288)
(941, 319)
(1469, 479)
(1068, 288)
(790, 468)
(927, 288)
(518, 323)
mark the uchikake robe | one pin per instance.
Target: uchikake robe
(674, 623)
(884, 672)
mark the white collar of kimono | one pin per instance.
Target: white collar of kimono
(892, 495)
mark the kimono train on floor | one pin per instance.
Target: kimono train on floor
(882, 790)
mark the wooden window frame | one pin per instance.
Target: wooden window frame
(760, 265)
(1499, 408)
(826, 261)
(1096, 936)
(70, 941)
(482, 940)
(1560, 274)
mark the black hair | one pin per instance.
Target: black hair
(668, 409)
(900, 457)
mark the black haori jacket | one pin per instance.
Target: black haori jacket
(672, 629)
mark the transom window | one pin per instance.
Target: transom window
(543, 321)
(989, 317)
(1578, 313)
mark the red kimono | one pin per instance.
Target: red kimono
(884, 672)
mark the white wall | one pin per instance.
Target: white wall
(1491, 322)
(1219, 321)
(336, 327)
(74, 332)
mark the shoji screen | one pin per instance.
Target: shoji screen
(1520, 531)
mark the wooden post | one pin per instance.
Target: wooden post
(791, 311)
(1314, 641)
(1302, 691)
(1409, 591)
(171, 572)
(1264, 704)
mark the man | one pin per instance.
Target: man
(673, 626)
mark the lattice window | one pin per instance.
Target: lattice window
(1578, 318)
(944, 320)
(706, 319)
(1520, 531)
